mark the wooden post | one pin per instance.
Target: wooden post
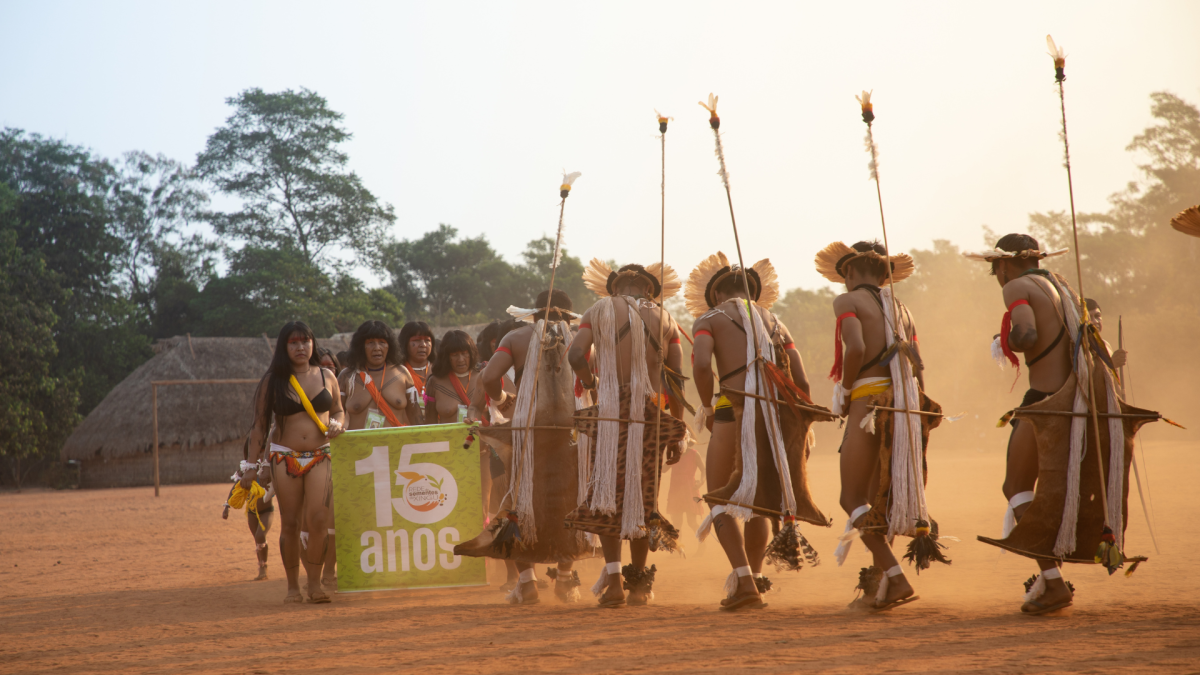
(154, 414)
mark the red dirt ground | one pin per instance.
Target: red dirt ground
(118, 581)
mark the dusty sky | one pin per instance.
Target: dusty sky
(466, 113)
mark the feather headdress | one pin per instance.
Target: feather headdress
(601, 279)
(831, 262)
(1188, 221)
(996, 254)
(763, 281)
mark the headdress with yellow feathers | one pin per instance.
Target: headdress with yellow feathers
(832, 261)
(763, 282)
(602, 280)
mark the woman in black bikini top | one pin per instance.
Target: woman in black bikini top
(304, 423)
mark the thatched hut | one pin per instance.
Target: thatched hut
(201, 428)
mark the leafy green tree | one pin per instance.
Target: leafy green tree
(279, 153)
(266, 288)
(537, 256)
(1130, 252)
(153, 200)
(62, 212)
(444, 278)
(37, 408)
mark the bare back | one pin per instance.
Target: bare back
(729, 339)
(866, 307)
(1051, 366)
(650, 315)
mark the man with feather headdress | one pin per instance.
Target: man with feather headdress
(541, 463)
(758, 453)
(878, 375)
(636, 361)
(1053, 441)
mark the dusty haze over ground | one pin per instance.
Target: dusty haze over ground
(117, 581)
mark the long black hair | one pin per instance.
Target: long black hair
(414, 329)
(322, 352)
(483, 342)
(278, 375)
(373, 330)
(453, 342)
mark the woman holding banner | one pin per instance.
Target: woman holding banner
(379, 391)
(419, 353)
(304, 403)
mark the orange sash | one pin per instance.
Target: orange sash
(418, 382)
(379, 402)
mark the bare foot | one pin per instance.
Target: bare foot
(613, 595)
(317, 595)
(898, 589)
(293, 597)
(529, 594)
(262, 573)
(329, 581)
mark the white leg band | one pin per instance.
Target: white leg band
(527, 576)
(613, 567)
(330, 531)
(706, 524)
(1053, 573)
(743, 571)
(850, 534)
(758, 575)
(1010, 515)
(895, 571)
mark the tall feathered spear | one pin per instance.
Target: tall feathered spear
(662, 534)
(787, 544)
(1108, 554)
(924, 547)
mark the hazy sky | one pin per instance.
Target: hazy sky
(466, 113)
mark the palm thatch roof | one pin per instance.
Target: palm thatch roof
(188, 416)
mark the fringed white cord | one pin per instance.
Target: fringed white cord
(881, 594)
(633, 524)
(604, 473)
(1010, 515)
(998, 353)
(1116, 464)
(841, 399)
(583, 457)
(850, 534)
(731, 581)
(1038, 589)
(520, 484)
(907, 470)
(868, 422)
(602, 582)
(706, 524)
(1064, 543)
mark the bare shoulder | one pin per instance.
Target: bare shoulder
(843, 303)
(1019, 289)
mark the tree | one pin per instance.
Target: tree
(266, 288)
(569, 277)
(153, 199)
(37, 409)
(279, 154)
(62, 212)
(1130, 252)
(444, 278)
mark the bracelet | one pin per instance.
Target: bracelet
(592, 386)
(708, 410)
(246, 466)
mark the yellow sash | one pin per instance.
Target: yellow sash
(307, 404)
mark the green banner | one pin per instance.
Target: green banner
(402, 499)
